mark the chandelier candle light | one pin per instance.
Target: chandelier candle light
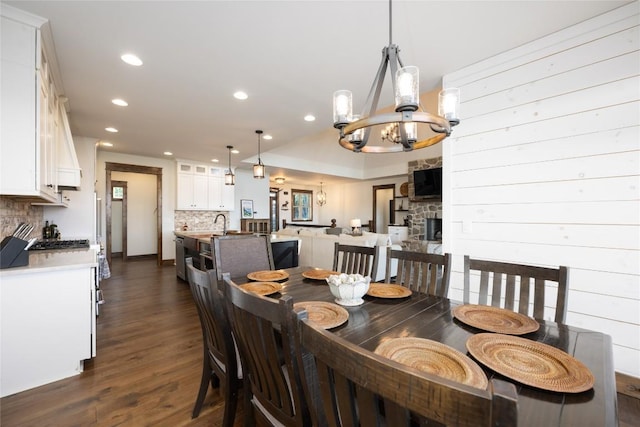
(229, 177)
(258, 168)
(322, 196)
(399, 130)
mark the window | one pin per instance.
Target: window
(118, 193)
(302, 202)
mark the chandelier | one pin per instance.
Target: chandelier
(321, 197)
(402, 129)
(258, 168)
(229, 177)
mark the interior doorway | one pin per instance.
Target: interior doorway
(274, 209)
(119, 167)
(383, 207)
(119, 218)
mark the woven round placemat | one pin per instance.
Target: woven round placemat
(268, 275)
(531, 363)
(495, 319)
(318, 274)
(323, 314)
(434, 358)
(387, 290)
(262, 288)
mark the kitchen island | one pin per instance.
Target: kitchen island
(197, 245)
(47, 312)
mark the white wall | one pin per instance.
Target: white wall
(544, 169)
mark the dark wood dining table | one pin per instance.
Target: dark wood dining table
(430, 317)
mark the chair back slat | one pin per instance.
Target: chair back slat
(263, 330)
(538, 299)
(520, 279)
(484, 287)
(241, 255)
(359, 387)
(351, 259)
(510, 292)
(420, 271)
(496, 290)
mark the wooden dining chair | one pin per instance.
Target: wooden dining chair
(273, 383)
(420, 271)
(351, 259)
(219, 363)
(513, 283)
(241, 255)
(359, 387)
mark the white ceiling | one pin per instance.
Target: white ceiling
(289, 56)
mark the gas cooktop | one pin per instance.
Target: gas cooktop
(44, 245)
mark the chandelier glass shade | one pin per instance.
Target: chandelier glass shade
(405, 129)
(321, 197)
(229, 177)
(258, 168)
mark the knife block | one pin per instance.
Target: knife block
(12, 253)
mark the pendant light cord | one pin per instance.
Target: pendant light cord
(390, 23)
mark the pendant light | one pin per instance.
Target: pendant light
(258, 168)
(229, 177)
(321, 198)
(398, 131)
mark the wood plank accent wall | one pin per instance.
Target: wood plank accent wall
(545, 169)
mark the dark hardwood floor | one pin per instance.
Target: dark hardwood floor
(148, 366)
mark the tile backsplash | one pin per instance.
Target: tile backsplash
(15, 211)
(198, 220)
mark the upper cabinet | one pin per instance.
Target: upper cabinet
(36, 145)
(192, 187)
(202, 188)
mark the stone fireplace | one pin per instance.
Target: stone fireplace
(419, 211)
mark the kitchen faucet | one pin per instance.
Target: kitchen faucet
(224, 225)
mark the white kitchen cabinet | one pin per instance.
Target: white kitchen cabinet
(27, 152)
(33, 121)
(47, 312)
(398, 233)
(221, 196)
(193, 187)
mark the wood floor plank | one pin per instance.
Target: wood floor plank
(148, 364)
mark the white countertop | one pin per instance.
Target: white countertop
(41, 261)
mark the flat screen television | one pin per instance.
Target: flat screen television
(427, 184)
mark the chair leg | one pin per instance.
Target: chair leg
(230, 402)
(249, 415)
(204, 383)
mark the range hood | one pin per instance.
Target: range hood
(69, 172)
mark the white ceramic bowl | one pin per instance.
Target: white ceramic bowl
(349, 294)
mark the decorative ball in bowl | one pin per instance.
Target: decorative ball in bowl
(348, 288)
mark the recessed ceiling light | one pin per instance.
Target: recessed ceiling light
(235, 151)
(168, 153)
(240, 95)
(119, 102)
(267, 136)
(112, 130)
(215, 160)
(106, 144)
(131, 59)
(309, 118)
